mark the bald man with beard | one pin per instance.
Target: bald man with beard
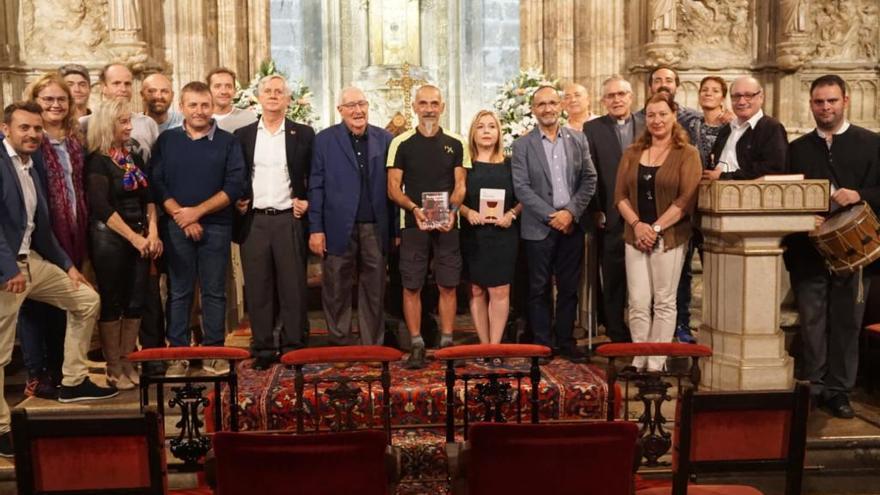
(158, 97)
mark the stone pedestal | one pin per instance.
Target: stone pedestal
(743, 223)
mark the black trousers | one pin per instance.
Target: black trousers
(121, 273)
(831, 320)
(273, 261)
(613, 266)
(561, 256)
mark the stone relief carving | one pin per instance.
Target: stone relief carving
(715, 30)
(845, 29)
(64, 30)
(663, 15)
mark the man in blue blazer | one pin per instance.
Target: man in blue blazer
(32, 264)
(348, 215)
(554, 179)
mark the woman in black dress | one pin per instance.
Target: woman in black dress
(491, 236)
(123, 235)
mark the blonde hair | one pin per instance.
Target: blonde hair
(497, 154)
(33, 90)
(102, 125)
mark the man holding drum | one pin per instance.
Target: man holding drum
(831, 305)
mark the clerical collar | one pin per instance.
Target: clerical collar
(624, 121)
(840, 131)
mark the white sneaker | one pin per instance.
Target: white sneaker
(216, 366)
(177, 368)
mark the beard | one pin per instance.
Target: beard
(157, 107)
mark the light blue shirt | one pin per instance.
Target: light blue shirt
(556, 158)
(60, 146)
(175, 119)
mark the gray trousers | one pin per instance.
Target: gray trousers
(830, 320)
(273, 262)
(362, 262)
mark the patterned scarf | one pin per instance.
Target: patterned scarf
(70, 230)
(132, 177)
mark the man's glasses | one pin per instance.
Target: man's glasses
(745, 96)
(355, 104)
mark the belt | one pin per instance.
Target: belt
(271, 211)
(21, 257)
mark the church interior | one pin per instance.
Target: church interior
(725, 415)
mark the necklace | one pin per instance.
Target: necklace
(660, 157)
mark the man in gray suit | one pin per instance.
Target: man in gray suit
(608, 136)
(554, 179)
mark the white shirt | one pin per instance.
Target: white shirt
(29, 191)
(728, 160)
(271, 179)
(235, 119)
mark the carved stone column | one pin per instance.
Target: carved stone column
(743, 223)
(663, 49)
(126, 43)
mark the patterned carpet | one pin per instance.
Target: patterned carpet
(567, 392)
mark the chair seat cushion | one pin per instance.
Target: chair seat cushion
(202, 352)
(654, 349)
(704, 490)
(493, 350)
(342, 354)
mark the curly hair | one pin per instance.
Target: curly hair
(679, 135)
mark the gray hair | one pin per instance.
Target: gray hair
(617, 78)
(347, 90)
(265, 80)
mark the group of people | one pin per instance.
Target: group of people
(168, 190)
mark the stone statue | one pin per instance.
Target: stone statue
(663, 15)
(793, 16)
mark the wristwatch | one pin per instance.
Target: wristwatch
(657, 228)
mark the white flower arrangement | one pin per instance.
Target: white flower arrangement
(300, 108)
(512, 104)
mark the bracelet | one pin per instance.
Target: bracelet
(635, 222)
(414, 208)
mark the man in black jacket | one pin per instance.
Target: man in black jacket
(753, 144)
(828, 304)
(608, 136)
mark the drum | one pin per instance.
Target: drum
(849, 239)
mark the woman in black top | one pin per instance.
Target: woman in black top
(123, 235)
(489, 243)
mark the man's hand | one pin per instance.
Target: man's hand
(818, 220)
(16, 284)
(318, 243)
(194, 232)
(448, 224)
(599, 220)
(242, 205)
(187, 216)
(713, 174)
(77, 278)
(300, 207)
(726, 116)
(846, 197)
(421, 219)
(561, 219)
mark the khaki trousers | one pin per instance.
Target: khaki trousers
(651, 285)
(46, 282)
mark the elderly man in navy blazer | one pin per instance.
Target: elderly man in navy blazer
(32, 264)
(554, 179)
(349, 219)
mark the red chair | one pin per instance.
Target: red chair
(91, 454)
(317, 464)
(489, 394)
(558, 459)
(652, 386)
(739, 431)
(343, 398)
(869, 358)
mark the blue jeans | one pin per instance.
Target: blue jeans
(41, 329)
(206, 259)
